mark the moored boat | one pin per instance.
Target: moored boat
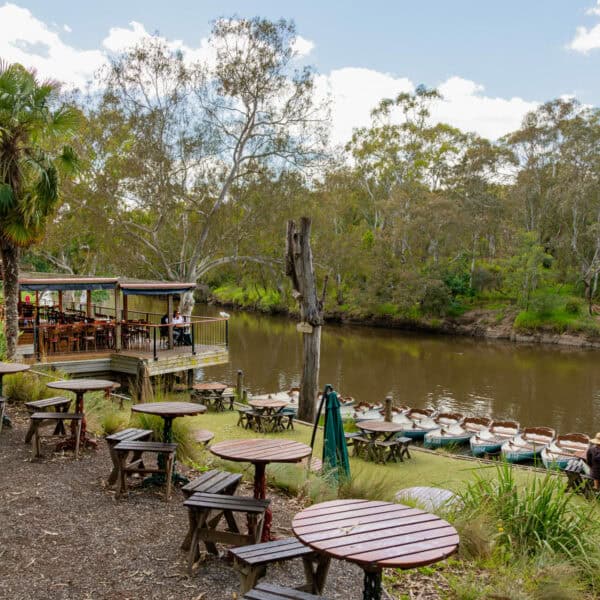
(455, 433)
(527, 445)
(418, 422)
(490, 440)
(566, 447)
(365, 411)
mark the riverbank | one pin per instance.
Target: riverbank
(566, 325)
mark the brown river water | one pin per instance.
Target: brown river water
(534, 384)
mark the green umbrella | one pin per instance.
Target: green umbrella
(335, 452)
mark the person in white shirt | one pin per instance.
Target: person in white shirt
(180, 334)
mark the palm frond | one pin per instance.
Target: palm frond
(7, 198)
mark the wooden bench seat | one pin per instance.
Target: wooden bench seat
(269, 591)
(131, 434)
(252, 562)
(42, 418)
(207, 510)
(165, 460)
(202, 436)
(244, 418)
(394, 449)
(55, 404)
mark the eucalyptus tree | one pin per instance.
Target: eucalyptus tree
(33, 126)
(200, 128)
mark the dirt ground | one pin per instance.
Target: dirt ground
(64, 536)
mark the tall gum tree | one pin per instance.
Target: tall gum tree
(198, 130)
(32, 127)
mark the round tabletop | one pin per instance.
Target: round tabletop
(261, 450)
(170, 409)
(210, 386)
(10, 368)
(268, 403)
(381, 426)
(279, 396)
(83, 385)
(376, 534)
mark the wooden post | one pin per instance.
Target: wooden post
(239, 388)
(117, 318)
(60, 301)
(125, 307)
(170, 313)
(88, 304)
(299, 268)
(387, 410)
(190, 379)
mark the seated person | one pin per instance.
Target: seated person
(164, 331)
(181, 335)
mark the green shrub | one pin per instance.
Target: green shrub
(27, 387)
(436, 299)
(574, 307)
(113, 421)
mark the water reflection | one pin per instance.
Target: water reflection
(558, 387)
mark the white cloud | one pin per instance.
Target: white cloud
(354, 92)
(302, 47)
(27, 40)
(595, 10)
(67, 28)
(587, 39)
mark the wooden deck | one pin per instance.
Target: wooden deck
(132, 362)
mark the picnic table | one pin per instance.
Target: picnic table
(381, 436)
(261, 452)
(212, 392)
(267, 409)
(80, 387)
(375, 535)
(9, 369)
(169, 411)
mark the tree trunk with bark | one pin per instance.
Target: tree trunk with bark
(10, 275)
(299, 268)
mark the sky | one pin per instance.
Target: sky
(493, 61)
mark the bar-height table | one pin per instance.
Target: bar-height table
(9, 369)
(80, 387)
(261, 452)
(169, 411)
(375, 535)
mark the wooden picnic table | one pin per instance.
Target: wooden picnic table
(380, 429)
(268, 405)
(375, 535)
(169, 411)
(261, 452)
(212, 391)
(9, 369)
(79, 387)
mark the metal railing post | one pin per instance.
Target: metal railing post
(226, 333)
(193, 339)
(154, 336)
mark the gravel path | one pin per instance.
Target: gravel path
(64, 536)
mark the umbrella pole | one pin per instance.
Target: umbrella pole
(318, 416)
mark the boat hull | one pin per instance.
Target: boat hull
(481, 447)
(516, 454)
(436, 439)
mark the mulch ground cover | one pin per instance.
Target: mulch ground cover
(63, 535)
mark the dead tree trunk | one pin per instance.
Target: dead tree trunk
(299, 268)
(10, 274)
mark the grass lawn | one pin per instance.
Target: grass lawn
(369, 480)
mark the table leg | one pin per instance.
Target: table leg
(69, 444)
(5, 420)
(159, 478)
(372, 585)
(260, 493)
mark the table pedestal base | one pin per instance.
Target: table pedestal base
(69, 443)
(6, 421)
(159, 478)
(372, 589)
(260, 493)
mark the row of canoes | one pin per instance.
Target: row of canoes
(484, 435)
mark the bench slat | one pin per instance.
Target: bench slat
(212, 482)
(43, 416)
(269, 591)
(224, 502)
(130, 434)
(46, 402)
(145, 447)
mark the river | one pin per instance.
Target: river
(534, 384)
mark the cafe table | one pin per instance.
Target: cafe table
(80, 387)
(261, 452)
(9, 369)
(168, 412)
(375, 535)
(212, 390)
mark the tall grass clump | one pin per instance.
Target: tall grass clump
(27, 387)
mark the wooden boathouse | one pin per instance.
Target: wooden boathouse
(87, 339)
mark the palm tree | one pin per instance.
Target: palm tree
(32, 128)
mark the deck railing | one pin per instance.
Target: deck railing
(81, 338)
